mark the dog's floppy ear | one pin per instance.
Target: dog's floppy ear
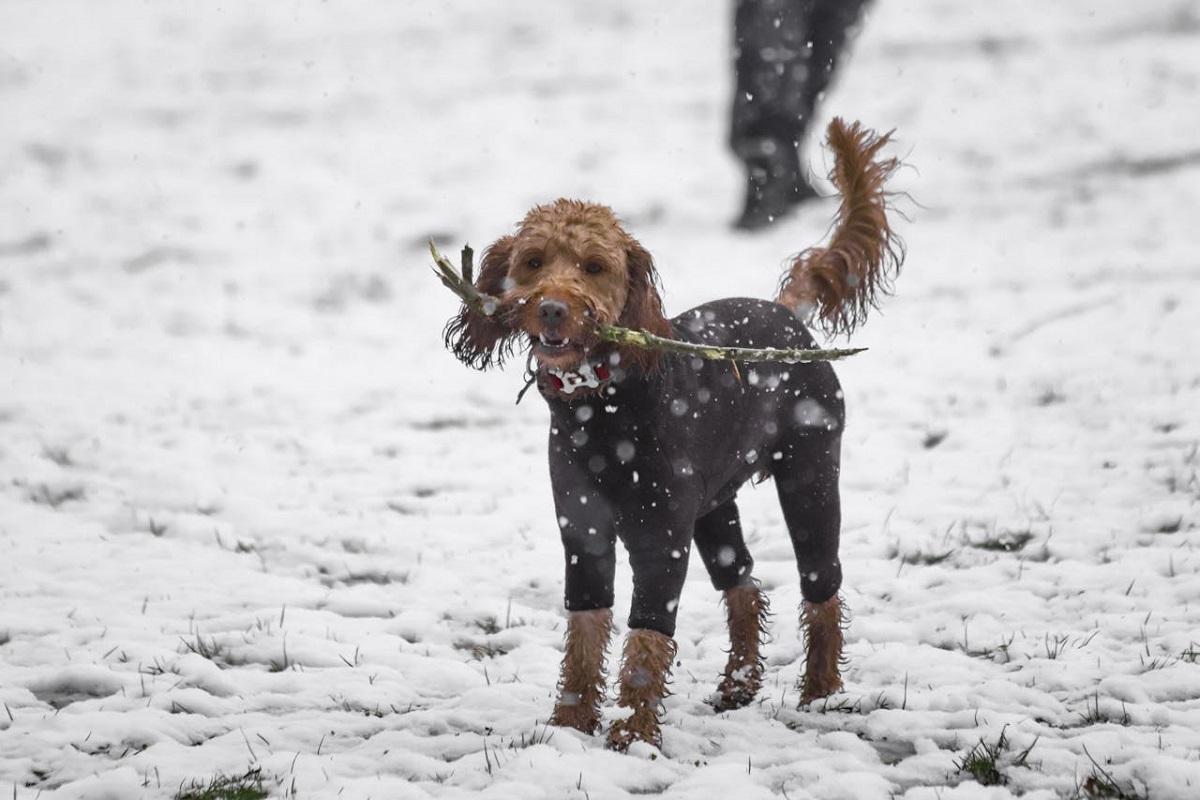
(643, 306)
(481, 340)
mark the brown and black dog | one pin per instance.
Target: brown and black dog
(651, 448)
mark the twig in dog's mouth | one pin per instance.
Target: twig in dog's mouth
(788, 355)
(488, 305)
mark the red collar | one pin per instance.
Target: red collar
(587, 378)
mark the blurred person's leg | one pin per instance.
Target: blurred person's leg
(785, 54)
(832, 22)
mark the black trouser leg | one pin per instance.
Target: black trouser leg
(785, 54)
(831, 21)
(659, 560)
(590, 556)
(723, 548)
(771, 68)
(807, 481)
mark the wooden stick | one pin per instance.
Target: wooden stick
(476, 300)
(487, 305)
(712, 352)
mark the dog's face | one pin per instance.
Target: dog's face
(569, 267)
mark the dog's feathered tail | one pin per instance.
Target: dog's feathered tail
(838, 283)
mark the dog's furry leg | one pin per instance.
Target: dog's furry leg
(823, 628)
(581, 683)
(644, 671)
(747, 610)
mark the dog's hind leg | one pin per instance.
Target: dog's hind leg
(823, 625)
(719, 539)
(723, 549)
(747, 609)
(806, 477)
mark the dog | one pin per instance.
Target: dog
(650, 448)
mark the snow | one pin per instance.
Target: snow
(253, 514)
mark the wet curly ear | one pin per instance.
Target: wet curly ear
(643, 307)
(480, 340)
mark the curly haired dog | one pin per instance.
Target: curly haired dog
(651, 448)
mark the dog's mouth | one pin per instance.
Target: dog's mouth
(558, 352)
(552, 343)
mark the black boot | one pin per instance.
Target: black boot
(774, 184)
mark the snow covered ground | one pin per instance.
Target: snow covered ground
(252, 515)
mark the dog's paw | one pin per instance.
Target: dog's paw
(729, 698)
(739, 687)
(579, 716)
(639, 727)
(818, 686)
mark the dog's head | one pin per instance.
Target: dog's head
(569, 267)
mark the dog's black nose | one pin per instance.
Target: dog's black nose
(552, 312)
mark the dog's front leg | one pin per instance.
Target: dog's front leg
(581, 681)
(659, 561)
(589, 550)
(645, 669)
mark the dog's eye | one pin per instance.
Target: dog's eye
(593, 267)
(534, 262)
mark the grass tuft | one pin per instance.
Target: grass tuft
(56, 496)
(980, 762)
(480, 651)
(1101, 785)
(983, 761)
(841, 704)
(248, 786)
(497, 755)
(206, 648)
(1004, 540)
(1092, 715)
(1056, 645)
